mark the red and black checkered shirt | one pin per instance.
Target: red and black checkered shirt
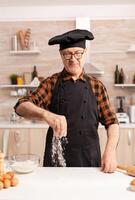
(42, 96)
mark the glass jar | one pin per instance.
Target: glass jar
(19, 80)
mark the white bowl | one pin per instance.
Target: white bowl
(24, 163)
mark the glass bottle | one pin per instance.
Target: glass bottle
(34, 73)
(121, 76)
(116, 74)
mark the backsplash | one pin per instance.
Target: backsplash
(112, 40)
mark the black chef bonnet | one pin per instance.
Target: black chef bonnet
(73, 38)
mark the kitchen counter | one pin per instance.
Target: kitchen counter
(70, 184)
(36, 125)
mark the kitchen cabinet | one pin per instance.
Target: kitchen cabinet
(126, 146)
(23, 138)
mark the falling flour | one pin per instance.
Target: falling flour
(58, 147)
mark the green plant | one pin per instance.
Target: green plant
(13, 78)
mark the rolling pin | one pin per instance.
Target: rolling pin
(129, 169)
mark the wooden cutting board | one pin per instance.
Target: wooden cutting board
(129, 169)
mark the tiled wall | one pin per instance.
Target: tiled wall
(112, 39)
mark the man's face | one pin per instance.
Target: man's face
(73, 60)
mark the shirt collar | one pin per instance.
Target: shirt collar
(67, 76)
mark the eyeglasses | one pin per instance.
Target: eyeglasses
(76, 54)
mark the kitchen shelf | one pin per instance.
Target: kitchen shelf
(91, 69)
(107, 51)
(18, 86)
(25, 52)
(125, 85)
(131, 51)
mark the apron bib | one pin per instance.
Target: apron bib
(76, 101)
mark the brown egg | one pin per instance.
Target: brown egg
(14, 181)
(132, 182)
(11, 174)
(1, 185)
(7, 183)
(1, 177)
(6, 176)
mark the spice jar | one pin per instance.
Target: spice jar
(19, 80)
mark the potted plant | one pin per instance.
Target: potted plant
(13, 78)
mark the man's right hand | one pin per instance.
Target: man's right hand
(58, 123)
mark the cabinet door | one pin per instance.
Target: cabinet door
(37, 139)
(126, 147)
(23, 141)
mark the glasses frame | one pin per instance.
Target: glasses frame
(69, 55)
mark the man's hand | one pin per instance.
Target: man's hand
(58, 124)
(108, 162)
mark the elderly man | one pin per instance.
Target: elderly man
(73, 103)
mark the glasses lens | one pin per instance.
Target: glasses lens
(67, 56)
(77, 55)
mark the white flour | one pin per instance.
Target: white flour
(24, 166)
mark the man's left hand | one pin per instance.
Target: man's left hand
(108, 162)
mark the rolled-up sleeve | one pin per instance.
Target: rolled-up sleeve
(106, 114)
(41, 96)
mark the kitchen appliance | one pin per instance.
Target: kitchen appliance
(122, 117)
(121, 114)
(132, 113)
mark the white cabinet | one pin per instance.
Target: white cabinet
(126, 146)
(23, 141)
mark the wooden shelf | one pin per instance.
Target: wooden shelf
(17, 86)
(25, 52)
(125, 85)
(131, 51)
(106, 51)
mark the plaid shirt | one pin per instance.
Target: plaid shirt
(42, 96)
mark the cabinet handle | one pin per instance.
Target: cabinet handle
(129, 138)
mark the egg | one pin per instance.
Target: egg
(132, 185)
(7, 183)
(1, 185)
(14, 181)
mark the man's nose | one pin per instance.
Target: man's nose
(73, 57)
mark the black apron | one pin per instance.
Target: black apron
(76, 101)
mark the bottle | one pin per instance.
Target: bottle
(34, 73)
(121, 76)
(116, 74)
(14, 43)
